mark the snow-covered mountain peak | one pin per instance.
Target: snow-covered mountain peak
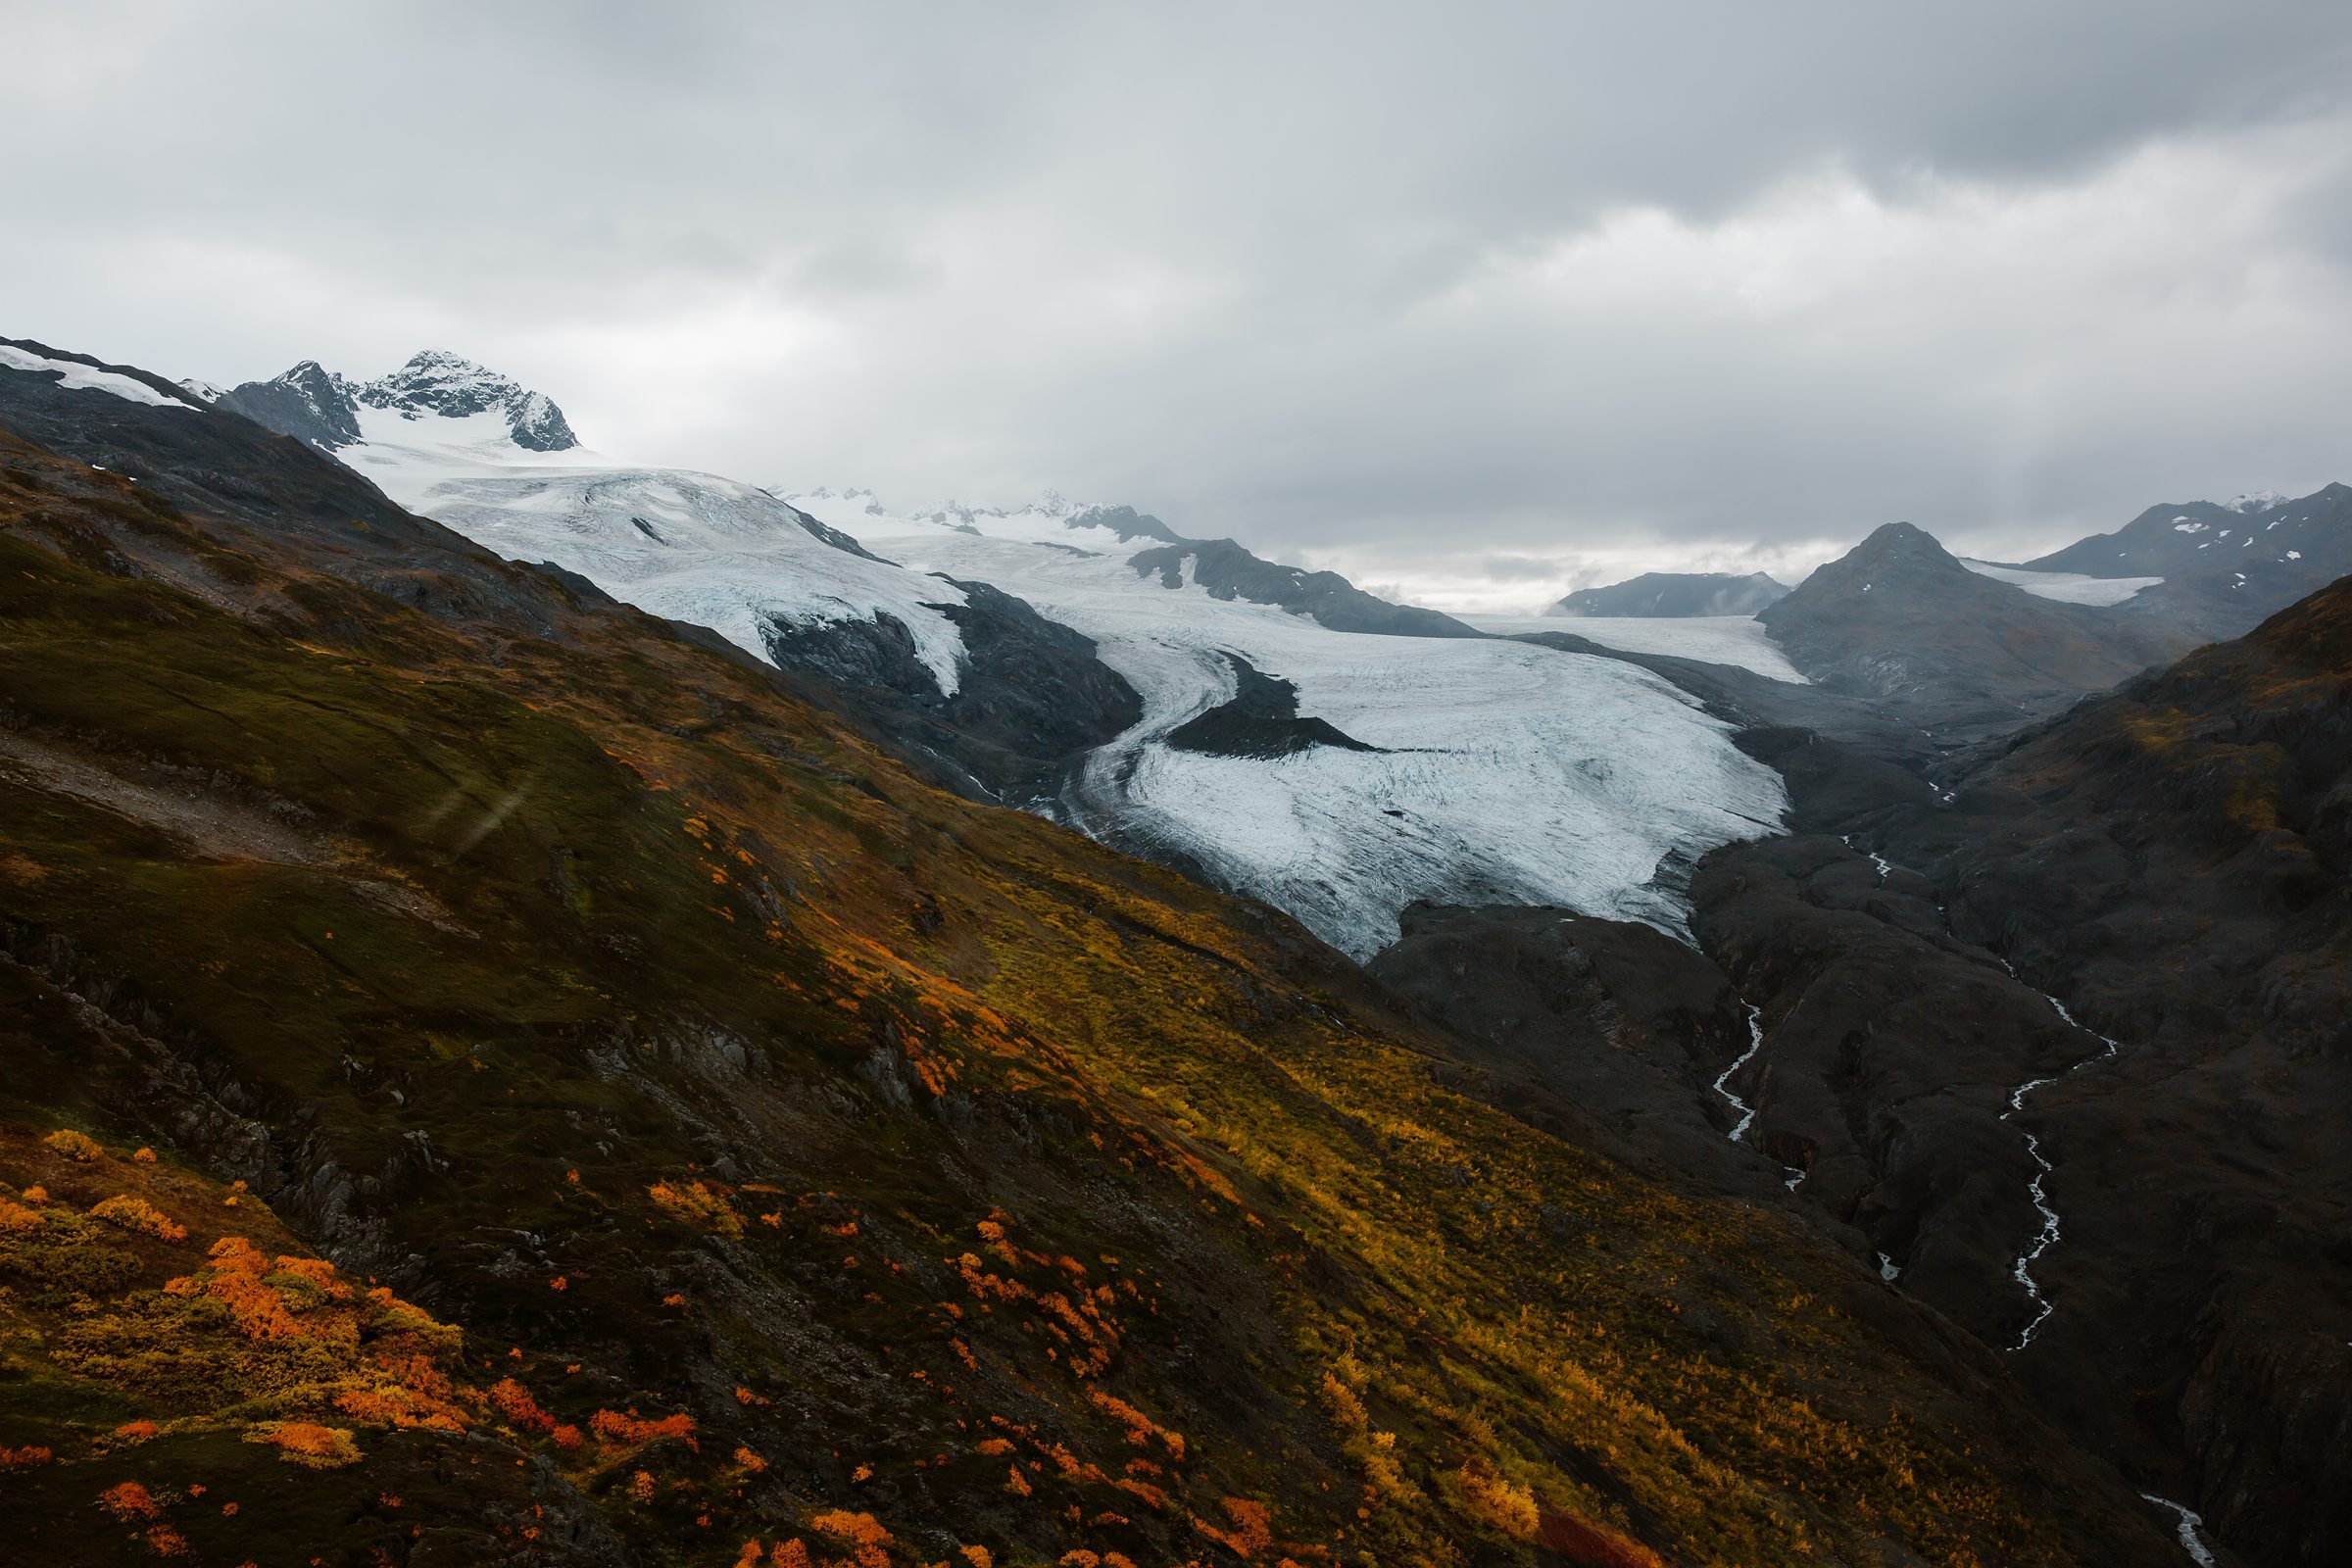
(439, 383)
(453, 401)
(2255, 501)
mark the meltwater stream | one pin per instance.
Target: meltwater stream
(2191, 1524)
(1747, 1113)
(2036, 1189)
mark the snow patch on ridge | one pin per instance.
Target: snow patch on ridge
(80, 377)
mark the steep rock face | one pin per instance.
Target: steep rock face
(1676, 593)
(945, 1179)
(307, 403)
(1031, 701)
(1262, 720)
(1898, 619)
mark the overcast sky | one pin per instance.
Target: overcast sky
(1473, 302)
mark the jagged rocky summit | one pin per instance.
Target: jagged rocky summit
(323, 408)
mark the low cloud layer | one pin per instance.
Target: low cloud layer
(1480, 305)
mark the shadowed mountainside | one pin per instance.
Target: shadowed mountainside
(1900, 620)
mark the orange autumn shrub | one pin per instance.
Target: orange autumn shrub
(145, 1156)
(868, 1543)
(128, 1500)
(138, 1214)
(24, 1458)
(612, 1427)
(77, 1147)
(137, 1430)
(514, 1401)
(307, 1444)
(16, 1218)
(1250, 1533)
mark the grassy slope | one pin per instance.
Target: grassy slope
(942, 1167)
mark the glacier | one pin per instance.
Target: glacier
(1504, 772)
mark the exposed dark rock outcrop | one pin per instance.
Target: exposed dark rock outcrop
(1676, 593)
(307, 403)
(1229, 571)
(1030, 702)
(1261, 719)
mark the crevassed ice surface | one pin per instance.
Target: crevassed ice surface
(1738, 640)
(688, 546)
(1508, 773)
(2067, 587)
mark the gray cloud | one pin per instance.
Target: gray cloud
(1401, 290)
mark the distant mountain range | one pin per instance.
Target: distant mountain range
(1669, 593)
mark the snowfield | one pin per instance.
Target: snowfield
(1508, 774)
(1738, 640)
(2067, 587)
(688, 546)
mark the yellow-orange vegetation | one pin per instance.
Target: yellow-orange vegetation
(868, 1543)
(138, 1214)
(627, 1430)
(697, 1205)
(1252, 1531)
(307, 1443)
(81, 1147)
(129, 1501)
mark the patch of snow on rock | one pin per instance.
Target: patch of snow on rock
(80, 377)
